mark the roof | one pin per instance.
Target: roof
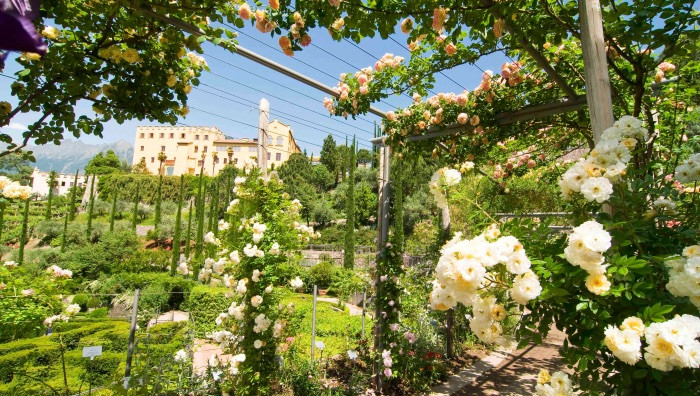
(236, 141)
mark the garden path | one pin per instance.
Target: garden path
(354, 309)
(507, 372)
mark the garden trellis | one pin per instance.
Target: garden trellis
(598, 97)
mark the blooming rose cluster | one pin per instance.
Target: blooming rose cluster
(557, 384)
(684, 274)
(69, 310)
(688, 171)
(14, 190)
(296, 283)
(306, 233)
(662, 69)
(466, 273)
(58, 272)
(182, 265)
(593, 175)
(441, 180)
(587, 243)
(670, 344)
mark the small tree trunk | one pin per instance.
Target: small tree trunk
(91, 205)
(214, 210)
(178, 226)
(23, 234)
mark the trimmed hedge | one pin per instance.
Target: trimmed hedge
(205, 303)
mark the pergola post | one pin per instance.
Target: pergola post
(382, 239)
(595, 67)
(263, 121)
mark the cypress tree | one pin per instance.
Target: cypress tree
(228, 189)
(114, 209)
(91, 206)
(65, 229)
(214, 209)
(23, 234)
(49, 199)
(199, 206)
(188, 238)
(349, 259)
(71, 212)
(134, 216)
(178, 226)
(161, 158)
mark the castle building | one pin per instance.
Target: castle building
(62, 184)
(189, 149)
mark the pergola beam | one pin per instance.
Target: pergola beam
(248, 54)
(525, 114)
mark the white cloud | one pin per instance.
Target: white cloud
(16, 126)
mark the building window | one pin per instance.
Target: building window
(204, 149)
(279, 140)
(200, 163)
(278, 157)
(141, 148)
(206, 137)
(63, 184)
(216, 160)
(170, 170)
(153, 159)
(196, 149)
(162, 135)
(235, 161)
(162, 148)
(150, 135)
(224, 161)
(142, 135)
(182, 136)
(268, 156)
(196, 137)
(269, 141)
(71, 184)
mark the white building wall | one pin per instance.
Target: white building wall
(64, 181)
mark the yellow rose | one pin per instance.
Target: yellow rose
(131, 55)
(31, 56)
(187, 89)
(5, 107)
(172, 80)
(51, 33)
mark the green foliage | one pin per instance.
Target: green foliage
(81, 299)
(322, 274)
(322, 212)
(205, 303)
(16, 167)
(48, 230)
(49, 198)
(349, 256)
(23, 236)
(147, 185)
(330, 156)
(104, 164)
(175, 288)
(177, 236)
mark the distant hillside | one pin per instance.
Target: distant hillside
(72, 155)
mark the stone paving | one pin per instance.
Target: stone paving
(507, 373)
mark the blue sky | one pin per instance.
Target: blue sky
(291, 102)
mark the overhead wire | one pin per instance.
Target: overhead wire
(440, 72)
(285, 100)
(252, 103)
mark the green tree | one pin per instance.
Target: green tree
(23, 237)
(112, 213)
(364, 156)
(141, 168)
(161, 158)
(16, 167)
(177, 237)
(329, 156)
(104, 163)
(91, 206)
(135, 211)
(73, 192)
(49, 198)
(349, 257)
(188, 238)
(321, 178)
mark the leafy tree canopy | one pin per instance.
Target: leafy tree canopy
(104, 163)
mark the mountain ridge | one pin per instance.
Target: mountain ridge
(72, 155)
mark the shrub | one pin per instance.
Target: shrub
(322, 274)
(49, 230)
(120, 283)
(205, 303)
(99, 312)
(81, 299)
(94, 302)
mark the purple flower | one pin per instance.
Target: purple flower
(17, 32)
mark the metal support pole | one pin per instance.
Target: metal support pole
(262, 134)
(364, 308)
(449, 315)
(132, 333)
(313, 325)
(382, 238)
(595, 66)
